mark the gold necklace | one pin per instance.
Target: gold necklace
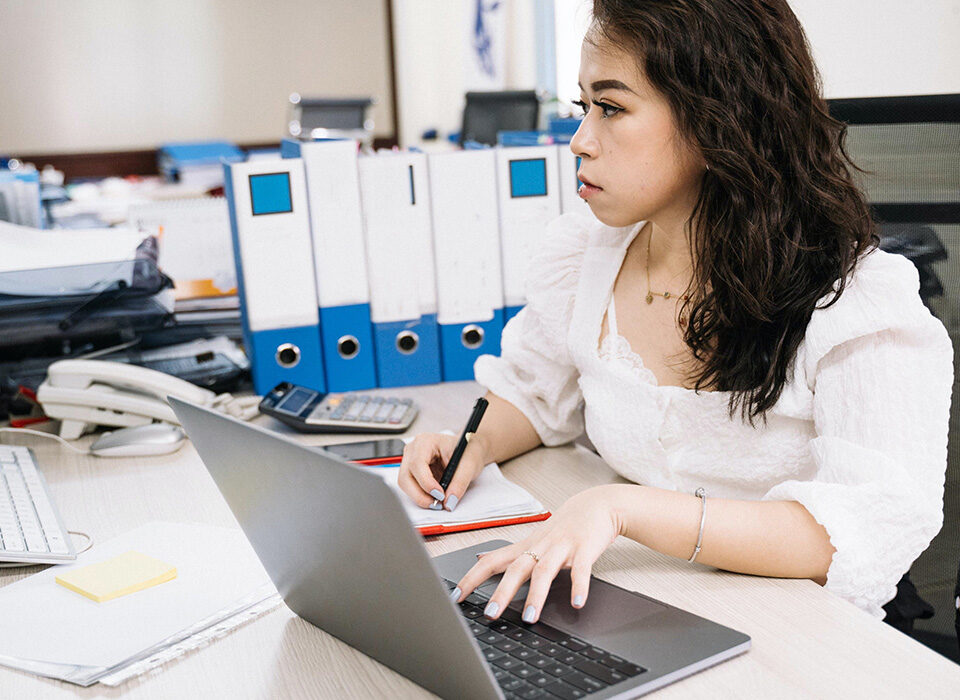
(665, 295)
(650, 295)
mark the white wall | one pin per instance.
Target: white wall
(866, 48)
(434, 60)
(863, 48)
(91, 75)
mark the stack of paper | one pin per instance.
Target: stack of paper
(50, 630)
(490, 501)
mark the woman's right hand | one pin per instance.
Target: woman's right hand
(425, 458)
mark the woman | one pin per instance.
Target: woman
(728, 325)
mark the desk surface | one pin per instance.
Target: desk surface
(806, 642)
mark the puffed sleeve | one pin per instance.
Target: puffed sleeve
(534, 371)
(880, 367)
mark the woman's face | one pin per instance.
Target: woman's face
(634, 163)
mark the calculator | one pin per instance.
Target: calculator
(310, 411)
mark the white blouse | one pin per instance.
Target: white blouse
(858, 436)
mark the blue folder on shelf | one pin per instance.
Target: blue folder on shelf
(339, 254)
(400, 265)
(270, 225)
(466, 238)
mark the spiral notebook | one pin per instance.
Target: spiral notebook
(491, 501)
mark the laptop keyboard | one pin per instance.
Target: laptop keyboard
(540, 661)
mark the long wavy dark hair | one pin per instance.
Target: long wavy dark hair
(780, 222)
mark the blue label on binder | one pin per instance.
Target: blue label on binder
(407, 352)
(458, 355)
(348, 351)
(270, 194)
(528, 177)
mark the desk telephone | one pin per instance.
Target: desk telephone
(83, 394)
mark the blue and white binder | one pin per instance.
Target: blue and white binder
(529, 193)
(340, 264)
(270, 227)
(403, 296)
(570, 201)
(466, 241)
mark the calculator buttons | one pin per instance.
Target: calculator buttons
(398, 413)
(356, 408)
(371, 409)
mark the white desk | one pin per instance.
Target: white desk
(807, 643)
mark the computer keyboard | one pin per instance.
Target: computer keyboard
(538, 660)
(31, 530)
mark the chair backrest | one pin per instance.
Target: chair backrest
(487, 113)
(911, 148)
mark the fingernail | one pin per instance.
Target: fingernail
(491, 609)
(452, 503)
(437, 493)
(480, 554)
(529, 613)
(578, 601)
(455, 594)
(436, 506)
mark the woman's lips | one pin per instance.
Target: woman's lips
(587, 189)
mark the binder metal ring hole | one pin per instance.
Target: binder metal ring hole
(471, 337)
(288, 355)
(348, 347)
(407, 342)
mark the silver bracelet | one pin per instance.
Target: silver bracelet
(702, 495)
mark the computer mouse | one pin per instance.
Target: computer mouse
(139, 441)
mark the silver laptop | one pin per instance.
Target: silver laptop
(340, 549)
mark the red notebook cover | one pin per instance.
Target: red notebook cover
(427, 530)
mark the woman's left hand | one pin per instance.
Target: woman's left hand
(574, 537)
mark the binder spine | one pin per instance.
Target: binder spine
(336, 232)
(281, 325)
(347, 335)
(463, 343)
(402, 348)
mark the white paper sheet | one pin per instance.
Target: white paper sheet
(47, 623)
(491, 495)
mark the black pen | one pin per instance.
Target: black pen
(472, 424)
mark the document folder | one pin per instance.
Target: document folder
(339, 256)
(529, 194)
(466, 239)
(270, 227)
(403, 297)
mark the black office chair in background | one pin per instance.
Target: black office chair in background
(487, 113)
(911, 148)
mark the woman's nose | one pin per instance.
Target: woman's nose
(584, 144)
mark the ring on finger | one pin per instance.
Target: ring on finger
(536, 557)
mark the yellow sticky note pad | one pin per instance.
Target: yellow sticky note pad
(127, 573)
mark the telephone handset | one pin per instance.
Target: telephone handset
(85, 393)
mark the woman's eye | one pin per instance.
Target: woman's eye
(606, 110)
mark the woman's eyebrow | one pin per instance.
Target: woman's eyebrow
(599, 85)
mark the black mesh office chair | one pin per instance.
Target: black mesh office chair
(911, 146)
(487, 113)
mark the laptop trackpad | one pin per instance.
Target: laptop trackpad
(607, 608)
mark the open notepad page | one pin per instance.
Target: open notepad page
(491, 495)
